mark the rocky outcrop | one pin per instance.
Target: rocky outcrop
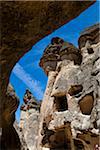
(9, 138)
(25, 23)
(22, 25)
(70, 107)
(90, 35)
(21, 136)
(57, 51)
(29, 122)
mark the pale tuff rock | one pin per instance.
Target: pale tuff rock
(24, 23)
(65, 78)
(70, 108)
(29, 122)
(21, 136)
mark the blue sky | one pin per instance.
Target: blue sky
(28, 75)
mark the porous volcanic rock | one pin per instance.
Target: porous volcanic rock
(29, 122)
(56, 51)
(25, 23)
(70, 107)
(91, 34)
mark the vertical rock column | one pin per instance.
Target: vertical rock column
(70, 114)
(29, 122)
(48, 62)
(57, 55)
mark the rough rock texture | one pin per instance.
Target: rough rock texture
(21, 136)
(57, 51)
(70, 111)
(22, 25)
(91, 34)
(29, 122)
(25, 23)
(9, 139)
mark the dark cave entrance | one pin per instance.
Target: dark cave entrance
(61, 103)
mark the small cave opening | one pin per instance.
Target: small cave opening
(61, 103)
(86, 104)
(78, 144)
(58, 141)
(75, 90)
(90, 50)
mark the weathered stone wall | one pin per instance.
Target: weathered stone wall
(70, 113)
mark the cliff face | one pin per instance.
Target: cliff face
(29, 122)
(70, 114)
(22, 25)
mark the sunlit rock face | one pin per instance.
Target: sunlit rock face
(70, 113)
(57, 51)
(29, 122)
(23, 23)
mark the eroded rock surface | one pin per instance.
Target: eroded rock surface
(22, 25)
(29, 122)
(92, 35)
(25, 23)
(70, 108)
(9, 139)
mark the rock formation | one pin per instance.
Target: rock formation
(29, 122)
(9, 139)
(70, 113)
(22, 25)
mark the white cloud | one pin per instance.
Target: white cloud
(35, 65)
(32, 83)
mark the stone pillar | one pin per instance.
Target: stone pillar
(62, 56)
(70, 108)
(29, 122)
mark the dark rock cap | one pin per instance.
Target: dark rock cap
(92, 34)
(56, 51)
(29, 102)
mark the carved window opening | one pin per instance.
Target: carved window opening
(61, 103)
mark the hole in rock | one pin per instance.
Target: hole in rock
(90, 50)
(75, 89)
(88, 142)
(86, 104)
(78, 144)
(61, 103)
(58, 141)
